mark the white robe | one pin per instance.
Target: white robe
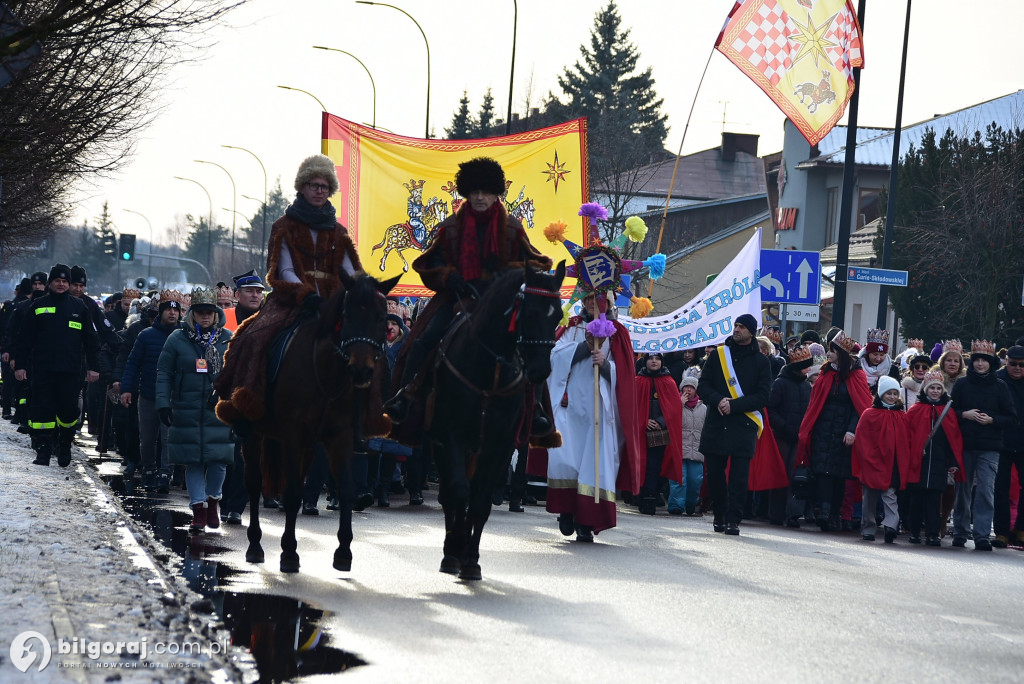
(571, 466)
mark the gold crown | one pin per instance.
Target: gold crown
(916, 343)
(225, 292)
(878, 336)
(203, 295)
(799, 354)
(171, 296)
(983, 347)
(952, 346)
(130, 293)
(773, 335)
(932, 377)
(413, 184)
(845, 342)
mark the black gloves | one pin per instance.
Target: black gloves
(165, 416)
(312, 302)
(456, 282)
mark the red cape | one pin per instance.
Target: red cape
(882, 436)
(860, 394)
(767, 469)
(672, 409)
(634, 457)
(920, 418)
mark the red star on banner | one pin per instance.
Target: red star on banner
(556, 171)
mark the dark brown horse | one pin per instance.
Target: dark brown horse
(485, 363)
(320, 397)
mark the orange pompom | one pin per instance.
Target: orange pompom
(555, 231)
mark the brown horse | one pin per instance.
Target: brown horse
(320, 397)
(485, 364)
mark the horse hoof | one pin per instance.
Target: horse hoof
(254, 556)
(342, 562)
(450, 565)
(470, 572)
(289, 565)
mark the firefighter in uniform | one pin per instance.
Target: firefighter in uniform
(22, 390)
(55, 331)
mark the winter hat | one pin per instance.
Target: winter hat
(932, 378)
(1016, 352)
(691, 377)
(78, 274)
(816, 350)
(748, 322)
(886, 383)
(921, 358)
(878, 341)
(59, 271)
(936, 352)
(482, 173)
(318, 165)
(396, 318)
(800, 358)
(38, 277)
(25, 286)
(810, 336)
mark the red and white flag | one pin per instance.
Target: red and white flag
(801, 52)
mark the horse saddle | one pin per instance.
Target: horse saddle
(277, 349)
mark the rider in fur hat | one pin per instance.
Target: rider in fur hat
(470, 248)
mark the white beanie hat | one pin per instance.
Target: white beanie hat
(886, 383)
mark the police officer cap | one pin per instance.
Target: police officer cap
(248, 279)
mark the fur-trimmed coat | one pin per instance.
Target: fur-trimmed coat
(315, 266)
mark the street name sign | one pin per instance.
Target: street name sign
(877, 276)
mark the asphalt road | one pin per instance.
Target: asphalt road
(656, 599)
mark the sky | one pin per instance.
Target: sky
(959, 54)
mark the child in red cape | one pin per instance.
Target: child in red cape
(934, 453)
(881, 458)
(658, 407)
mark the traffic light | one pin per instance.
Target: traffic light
(126, 249)
(109, 244)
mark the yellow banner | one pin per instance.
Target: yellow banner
(801, 53)
(396, 190)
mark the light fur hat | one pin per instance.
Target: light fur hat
(318, 165)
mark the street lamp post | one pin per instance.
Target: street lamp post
(323, 143)
(234, 204)
(426, 134)
(372, 84)
(209, 221)
(149, 262)
(263, 248)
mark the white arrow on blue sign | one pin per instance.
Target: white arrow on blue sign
(790, 277)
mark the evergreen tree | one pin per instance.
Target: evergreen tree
(484, 121)
(462, 125)
(626, 128)
(959, 209)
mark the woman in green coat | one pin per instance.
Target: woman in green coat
(189, 363)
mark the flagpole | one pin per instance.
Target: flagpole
(883, 290)
(675, 167)
(846, 207)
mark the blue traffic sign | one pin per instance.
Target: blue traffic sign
(878, 276)
(790, 277)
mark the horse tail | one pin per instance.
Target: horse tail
(383, 240)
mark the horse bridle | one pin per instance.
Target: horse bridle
(513, 312)
(340, 348)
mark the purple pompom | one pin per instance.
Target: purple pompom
(594, 211)
(601, 327)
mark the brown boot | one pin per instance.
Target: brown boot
(212, 513)
(198, 518)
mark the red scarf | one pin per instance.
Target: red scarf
(470, 258)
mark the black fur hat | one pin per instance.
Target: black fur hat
(482, 173)
(59, 271)
(78, 274)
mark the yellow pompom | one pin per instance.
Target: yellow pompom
(636, 229)
(555, 232)
(565, 314)
(640, 307)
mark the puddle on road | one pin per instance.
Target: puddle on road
(283, 634)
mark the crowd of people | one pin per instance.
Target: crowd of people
(818, 431)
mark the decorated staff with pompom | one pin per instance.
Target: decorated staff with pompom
(595, 412)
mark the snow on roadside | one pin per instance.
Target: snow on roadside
(73, 566)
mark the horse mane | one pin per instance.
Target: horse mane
(331, 313)
(502, 290)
